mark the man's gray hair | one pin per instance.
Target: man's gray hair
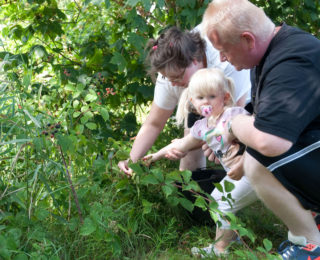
(230, 18)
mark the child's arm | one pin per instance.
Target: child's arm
(184, 145)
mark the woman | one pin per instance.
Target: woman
(175, 56)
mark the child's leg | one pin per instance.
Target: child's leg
(242, 195)
(224, 237)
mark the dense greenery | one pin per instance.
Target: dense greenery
(73, 93)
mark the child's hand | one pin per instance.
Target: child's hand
(148, 159)
(174, 154)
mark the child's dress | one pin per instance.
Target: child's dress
(227, 153)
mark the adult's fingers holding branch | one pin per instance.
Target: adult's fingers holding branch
(123, 166)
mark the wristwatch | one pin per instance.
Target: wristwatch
(229, 126)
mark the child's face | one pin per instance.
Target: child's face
(215, 99)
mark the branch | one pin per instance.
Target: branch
(71, 185)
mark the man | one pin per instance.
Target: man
(282, 159)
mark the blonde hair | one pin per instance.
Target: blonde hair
(203, 82)
(230, 18)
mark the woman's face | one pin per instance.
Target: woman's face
(181, 78)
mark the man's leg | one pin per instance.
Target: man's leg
(280, 201)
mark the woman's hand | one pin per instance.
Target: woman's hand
(123, 166)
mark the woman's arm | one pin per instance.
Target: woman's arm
(146, 136)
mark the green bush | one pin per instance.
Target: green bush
(73, 91)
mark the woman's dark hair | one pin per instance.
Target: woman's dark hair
(174, 49)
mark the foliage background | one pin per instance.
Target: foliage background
(73, 93)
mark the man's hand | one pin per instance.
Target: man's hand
(236, 172)
(207, 151)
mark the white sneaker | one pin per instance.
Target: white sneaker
(210, 250)
(206, 251)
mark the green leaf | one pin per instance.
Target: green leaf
(21, 256)
(16, 141)
(167, 190)
(146, 4)
(147, 206)
(186, 175)
(104, 113)
(228, 186)
(158, 174)
(70, 87)
(146, 91)
(107, 3)
(267, 244)
(187, 204)
(90, 97)
(76, 114)
(35, 121)
(132, 3)
(91, 126)
(119, 60)
(149, 179)
(88, 227)
(137, 41)
(201, 203)
(27, 79)
(136, 167)
(65, 142)
(214, 215)
(75, 103)
(39, 51)
(172, 200)
(160, 3)
(122, 155)
(129, 122)
(174, 175)
(41, 213)
(218, 186)
(192, 186)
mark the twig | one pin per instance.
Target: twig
(4, 192)
(17, 155)
(71, 185)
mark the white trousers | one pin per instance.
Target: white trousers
(242, 195)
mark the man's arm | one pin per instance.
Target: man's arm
(269, 145)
